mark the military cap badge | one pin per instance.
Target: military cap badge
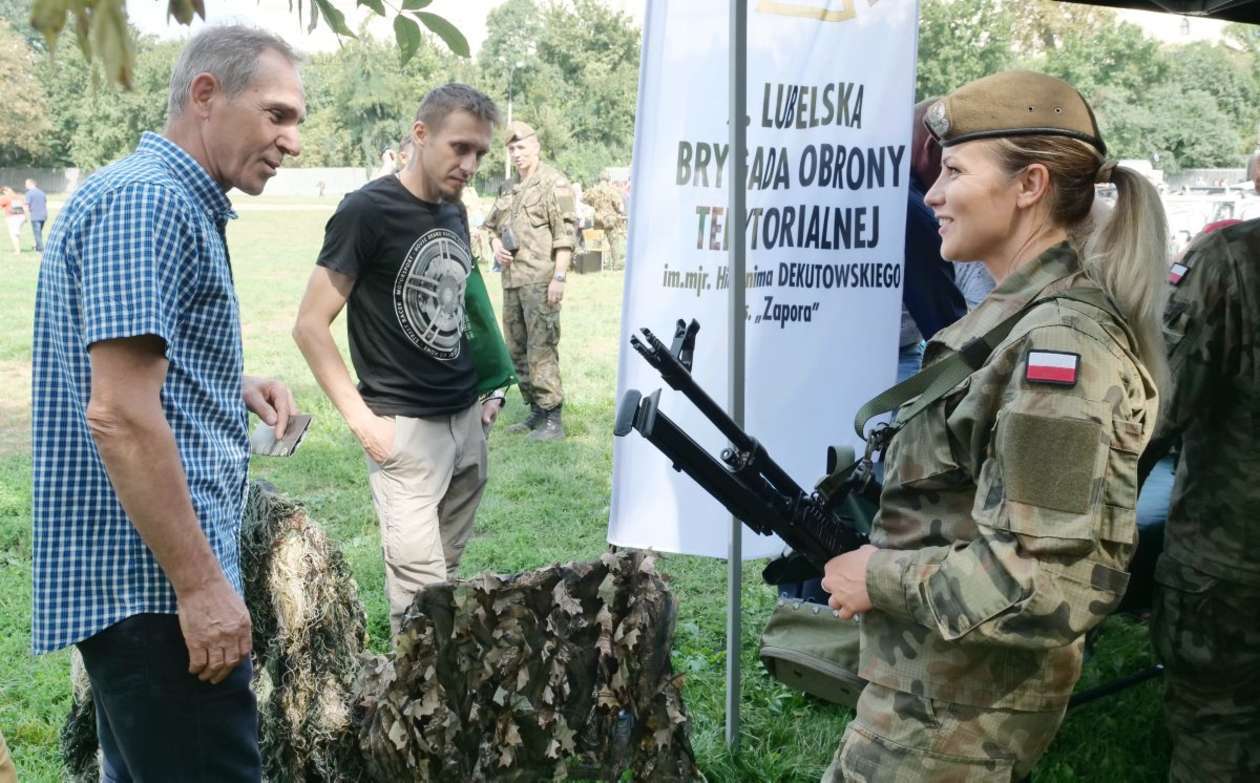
(937, 121)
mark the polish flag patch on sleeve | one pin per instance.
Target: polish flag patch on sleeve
(1056, 367)
(1176, 272)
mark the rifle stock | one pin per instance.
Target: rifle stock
(746, 481)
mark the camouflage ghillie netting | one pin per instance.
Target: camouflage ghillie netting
(79, 747)
(309, 631)
(556, 672)
(514, 678)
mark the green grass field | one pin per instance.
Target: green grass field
(545, 503)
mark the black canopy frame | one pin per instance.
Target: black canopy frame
(1247, 11)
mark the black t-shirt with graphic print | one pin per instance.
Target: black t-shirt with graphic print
(405, 315)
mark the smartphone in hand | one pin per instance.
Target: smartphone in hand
(264, 442)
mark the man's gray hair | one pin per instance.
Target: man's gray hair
(229, 53)
(441, 101)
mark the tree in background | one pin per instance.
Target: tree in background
(24, 124)
(1226, 75)
(961, 40)
(574, 69)
(18, 15)
(1044, 25)
(95, 123)
(103, 35)
(360, 100)
(1196, 105)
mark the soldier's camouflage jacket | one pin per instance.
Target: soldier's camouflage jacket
(606, 201)
(1212, 325)
(541, 213)
(1007, 518)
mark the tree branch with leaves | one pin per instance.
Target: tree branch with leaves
(101, 30)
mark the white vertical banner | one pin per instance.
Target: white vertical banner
(830, 95)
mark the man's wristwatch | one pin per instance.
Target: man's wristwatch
(559, 278)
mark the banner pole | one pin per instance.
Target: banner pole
(736, 226)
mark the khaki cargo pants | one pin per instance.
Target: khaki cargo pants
(902, 738)
(426, 495)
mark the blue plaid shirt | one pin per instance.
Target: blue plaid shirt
(138, 250)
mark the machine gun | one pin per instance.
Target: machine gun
(817, 525)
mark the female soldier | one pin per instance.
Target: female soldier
(1007, 518)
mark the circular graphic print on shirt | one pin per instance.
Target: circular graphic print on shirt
(429, 292)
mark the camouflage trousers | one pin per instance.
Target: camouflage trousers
(898, 737)
(616, 238)
(531, 328)
(1207, 633)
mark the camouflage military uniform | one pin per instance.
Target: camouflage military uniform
(1005, 526)
(1206, 626)
(610, 217)
(540, 212)
(477, 241)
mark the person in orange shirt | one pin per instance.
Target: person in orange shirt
(14, 216)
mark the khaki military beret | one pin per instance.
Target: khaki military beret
(1013, 103)
(517, 130)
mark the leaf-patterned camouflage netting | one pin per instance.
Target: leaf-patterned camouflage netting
(511, 678)
(558, 673)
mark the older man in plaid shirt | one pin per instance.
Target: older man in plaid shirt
(140, 424)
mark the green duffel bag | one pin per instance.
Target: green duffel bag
(490, 355)
(804, 646)
(485, 341)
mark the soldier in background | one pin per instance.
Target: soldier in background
(532, 227)
(610, 217)
(1206, 623)
(471, 202)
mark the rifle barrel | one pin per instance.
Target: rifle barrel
(680, 379)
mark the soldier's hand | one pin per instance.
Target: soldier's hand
(555, 292)
(376, 433)
(845, 579)
(501, 254)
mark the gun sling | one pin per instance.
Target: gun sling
(934, 382)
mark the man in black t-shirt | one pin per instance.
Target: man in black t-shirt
(396, 256)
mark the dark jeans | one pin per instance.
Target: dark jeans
(37, 228)
(158, 723)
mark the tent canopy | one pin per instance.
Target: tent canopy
(1227, 10)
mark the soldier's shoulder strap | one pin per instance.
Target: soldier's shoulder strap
(934, 382)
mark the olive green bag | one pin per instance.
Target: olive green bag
(485, 341)
(490, 355)
(806, 647)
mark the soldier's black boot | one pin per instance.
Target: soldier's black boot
(532, 422)
(552, 427)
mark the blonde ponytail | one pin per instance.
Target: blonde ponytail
(1124, 251)
(1127, 255)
